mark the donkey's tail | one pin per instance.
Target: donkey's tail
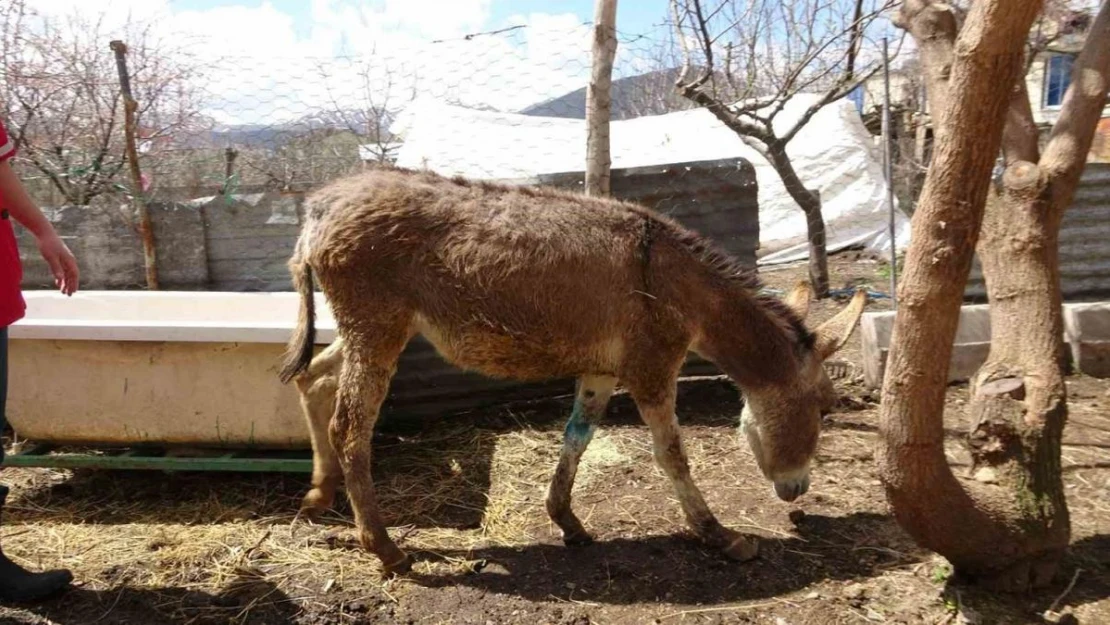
(300, 351)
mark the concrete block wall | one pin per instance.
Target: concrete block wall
(242, 242)
(110, 252)
(1086, 332)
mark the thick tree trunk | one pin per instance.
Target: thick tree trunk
(1019, 399)
(1019, 404)
(956, 520)
(810, 203)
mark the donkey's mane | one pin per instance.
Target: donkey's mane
(717, 261)
(728, 268)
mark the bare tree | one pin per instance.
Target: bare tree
(1060, 22)
(383, 91)
(60, 97)
(1009, 526)
(769, 52)
(301, 154)
(351, 129)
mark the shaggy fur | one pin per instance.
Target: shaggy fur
(535, 283)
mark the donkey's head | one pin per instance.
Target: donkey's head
(782, 423)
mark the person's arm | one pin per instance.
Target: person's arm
(20, 206)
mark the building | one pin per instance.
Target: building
(1047, 80)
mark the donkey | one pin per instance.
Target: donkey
(317, 385)
(533, 283)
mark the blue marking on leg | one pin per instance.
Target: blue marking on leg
(579, 428)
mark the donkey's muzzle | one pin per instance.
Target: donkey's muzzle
(789, 490)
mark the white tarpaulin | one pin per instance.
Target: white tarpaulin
(833, 153)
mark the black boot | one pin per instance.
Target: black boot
(18, 584)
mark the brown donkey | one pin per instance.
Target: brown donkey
(318, 383)
(534, 283)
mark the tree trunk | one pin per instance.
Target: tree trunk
(1019, 400)
(598, 98)
(956, 520)
(130, 126)
(810, 203)
(1018, 407)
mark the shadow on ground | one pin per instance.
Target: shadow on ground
(1087, 562)
(418, 454)
(678, 569)
(244, 601)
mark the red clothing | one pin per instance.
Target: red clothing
(12, 306)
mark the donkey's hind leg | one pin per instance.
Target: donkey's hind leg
(369, 362)
(317, 387)
(590, 403)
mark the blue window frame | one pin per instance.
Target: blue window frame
(856, 96)
(1057, 77)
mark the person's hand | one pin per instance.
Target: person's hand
(62, 262)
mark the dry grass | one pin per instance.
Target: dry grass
(455, 489)
(216, 548)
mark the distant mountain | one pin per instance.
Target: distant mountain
(652, 93)
(249, 134)
(272, 135)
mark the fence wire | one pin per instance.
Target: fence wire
(509, 105)
(295, 123)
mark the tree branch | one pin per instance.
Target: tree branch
(1020, 137)
(1065, 155)
(855, 41)
(830, 96)
(934, 25)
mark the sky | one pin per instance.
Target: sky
(633, 16)
(272, 60)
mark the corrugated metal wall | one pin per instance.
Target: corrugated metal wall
(717, 198)
(1084, 242)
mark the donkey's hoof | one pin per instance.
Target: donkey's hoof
(401, 566)
(315, 503)
(309, 513)
(577, 539)
(742, 548)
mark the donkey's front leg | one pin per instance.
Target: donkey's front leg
(590, 402)
(659, 415)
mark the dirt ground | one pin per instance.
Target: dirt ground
(465, 496)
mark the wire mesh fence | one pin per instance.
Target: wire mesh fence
(218, 127)
(294, 123)
(243, 138)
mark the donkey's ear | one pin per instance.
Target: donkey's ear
(799, 298)
(834, 333)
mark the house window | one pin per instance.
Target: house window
(856, 97)
(1057, 77)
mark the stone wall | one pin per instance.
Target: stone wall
(242, 242)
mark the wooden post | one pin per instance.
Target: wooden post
(598, 99)
(888, 173)
(230, 154)
(146, 231)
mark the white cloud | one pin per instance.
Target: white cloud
(262, 66)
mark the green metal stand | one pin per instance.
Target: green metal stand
(155, 459)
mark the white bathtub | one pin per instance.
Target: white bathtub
(135, 367)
